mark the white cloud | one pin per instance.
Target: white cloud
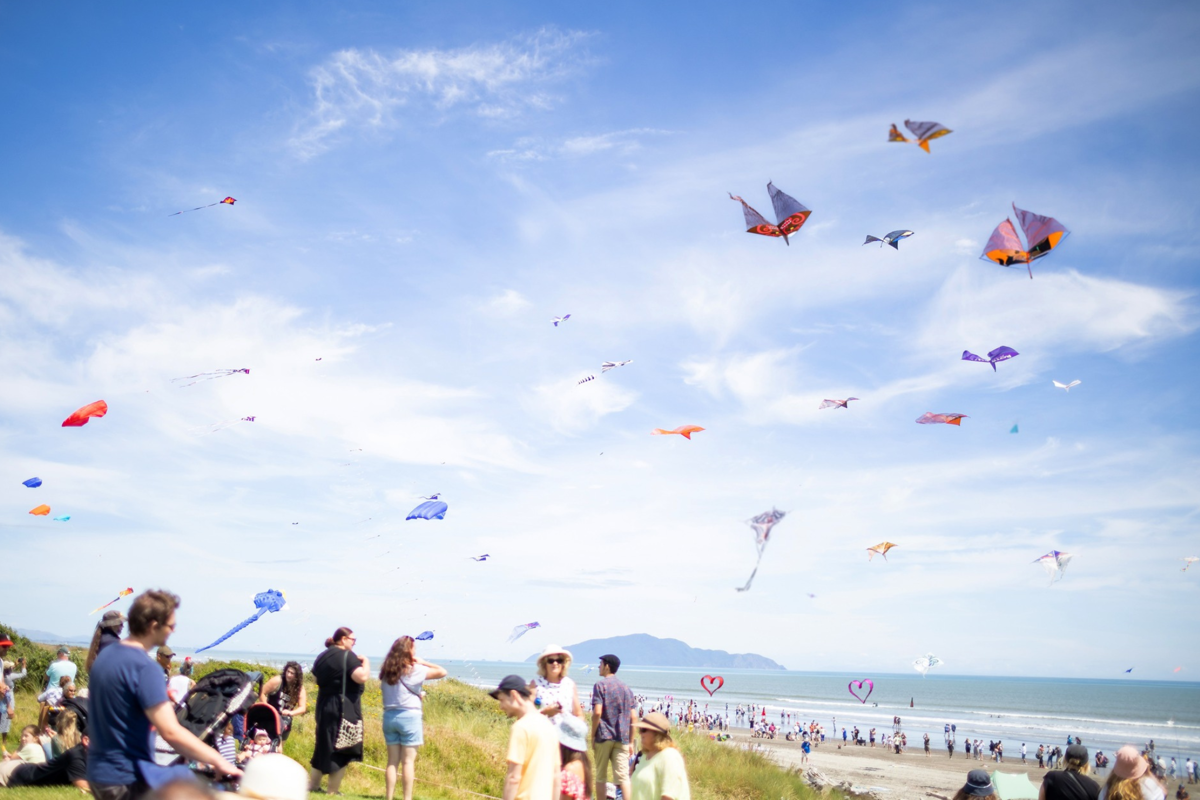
(508, 303)
(568, 407)
(532, 148)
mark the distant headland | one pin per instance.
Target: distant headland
(644, 650)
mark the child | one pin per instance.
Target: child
(8, 706)
(31, 751)
(261, 744)
(226, 744)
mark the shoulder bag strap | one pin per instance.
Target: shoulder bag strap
(410, 689)
(345, 666)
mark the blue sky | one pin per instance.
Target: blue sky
(420, 190)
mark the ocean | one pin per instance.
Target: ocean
(1104, 713)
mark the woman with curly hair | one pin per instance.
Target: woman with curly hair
(1131, 778)
(287, 695)
(400, 679)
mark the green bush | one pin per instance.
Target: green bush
(37, 658)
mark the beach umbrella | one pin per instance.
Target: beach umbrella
(1010, 786)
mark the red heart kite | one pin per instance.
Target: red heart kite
(716, 681)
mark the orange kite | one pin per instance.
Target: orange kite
(685, 431)
(41, 511)
(81, 416)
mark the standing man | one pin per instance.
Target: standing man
(164, 655)
(534, 761)
(128, 695)
(60, 666)
(613, 719)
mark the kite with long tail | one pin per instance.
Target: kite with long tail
(124, 593)
(762, 526)
(228, 201)
(271, 600)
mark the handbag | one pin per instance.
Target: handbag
(350, 733)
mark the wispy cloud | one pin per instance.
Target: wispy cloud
(532, 148)
(362, 88)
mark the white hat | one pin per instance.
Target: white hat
(274, 776)
(554, 650)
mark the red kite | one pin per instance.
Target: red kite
(81, 416)
(228, 201)
(685, 431)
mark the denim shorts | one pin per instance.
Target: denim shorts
(403, 726)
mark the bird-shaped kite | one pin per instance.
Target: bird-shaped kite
(271, 600)
(1188, 561)
(40, 511)
(685, 431)
(433, 496)
(81, 415)
(32, 483)
(563, 318)
(762, 525)
(122, 593)
(1055, 564)
(892, 238)
(994, 356)
(424, 636)
(836, 403)
(483, 557)
(1129, 670)
(430, 509)
(880, 549)
(521, 630)
(925, 132)
(228, 201)
(929, 418)
(790, 213)
(1042, 233)
(1066, 386)
(208, 376)
(607, 365)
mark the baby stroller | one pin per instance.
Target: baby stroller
(205, 709)
(266, 718)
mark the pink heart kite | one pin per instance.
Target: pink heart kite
(716, 681)
(870, 688)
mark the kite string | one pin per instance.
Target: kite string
(440, 786)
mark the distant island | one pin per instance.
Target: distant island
(644, 650)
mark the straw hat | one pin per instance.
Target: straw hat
(1129, 763)
(655, 721)
(554, 650)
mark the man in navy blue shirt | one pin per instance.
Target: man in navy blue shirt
(127, 696)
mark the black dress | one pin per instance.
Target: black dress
(328, 671)
(279, 701)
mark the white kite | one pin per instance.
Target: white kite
(926, 663)
(1188, 561)
(762, 525)
(1066, 386)
(521, 630)
(1055, 564)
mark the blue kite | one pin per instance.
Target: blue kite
(424, 637)
(430, 509)
(271, 600)
(33, 483)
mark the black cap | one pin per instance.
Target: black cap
(512, 683)
(979, 783)
(1077, 752)
(613, 662)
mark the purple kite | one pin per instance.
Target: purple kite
(762, 526)
(929, 418)
(994, 357)
(790, 213)
(1042, 233)
(836, 403)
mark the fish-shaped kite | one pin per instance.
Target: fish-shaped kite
(762, 526)
(424, 636)
(40, 511)
(208, 376)
(685, 431)
(32, 483)
(122, 593)
(925, 132)
(929, 418)
(271, 601)
(521, 630)
(880, 549)
(483, 557)
(788, 211)
(563, 318)
(892, 238)
(1188, 561)
(430, 509)
(1043, 234)
(1055, 564)
(81, 415)
(836, 403)
(1066, 386)
(994, 357)
(228, 201)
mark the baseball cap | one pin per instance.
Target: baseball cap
(6, 642)
(1077, 752)
(274, 776)
(613, 662)
(511, 683)
(978, 783)
(63, 651)
(165, 651)
(1129, 763)
(655, 721)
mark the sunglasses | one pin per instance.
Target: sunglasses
(556, 661)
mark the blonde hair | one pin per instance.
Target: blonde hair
(541, 668)
(662, 741)
(1079, 765)
(68, 729)
(1118, 788)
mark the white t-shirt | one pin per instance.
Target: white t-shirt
(1151, 789)
(399, 696)
(178, 687)
(561, 694)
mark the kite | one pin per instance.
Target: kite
(221, 425)
(1177, 669)
(790, 213)
(892, 238)
(1014, 429)
(1188, 561)
(483, 557)
(994, 357)
(714, 681)
(1055, 564)
(271, 600)
(880, 549)
(925, 132)
(836, 403)
(762, 525)
(122, 593)
(685, 431)
(430, 509)
(929, 418)
(870, 688)
(521, 630)
(424, 637)
(1066, 386)
(208, 376)
(926, 663)
(585, 380)
(1129, 670)
(40, 511)
(433, 496)
(62, 519)
(228, 201)
(607, 365)
(1042, 233)
(82, 415)
(563, 318)
(32, 483)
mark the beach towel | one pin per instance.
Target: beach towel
(1014, 786)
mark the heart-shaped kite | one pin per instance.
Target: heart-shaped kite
(870, 688)
(715, 681)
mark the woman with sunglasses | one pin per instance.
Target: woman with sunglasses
(554, 693)
(340, 675)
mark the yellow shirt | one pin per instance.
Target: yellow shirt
(663, 775)
(534, 745)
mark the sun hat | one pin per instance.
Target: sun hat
(1129, 763)
(978, 783)
(1077, 752)
(655, 721)
(554, 650)
(572, 733)
(274, 776)
(511, 683)
(165, 651)
(112, 619)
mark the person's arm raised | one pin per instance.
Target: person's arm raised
(162, 717)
